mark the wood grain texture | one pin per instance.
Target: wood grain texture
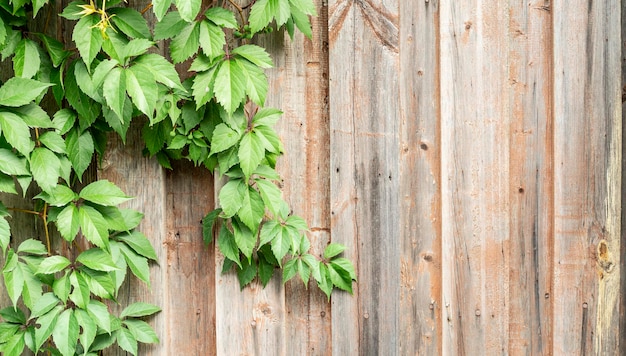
(364, 124)
(531, 230)
(420, 180)
(587, 159)
(475, 194)
(622, 304)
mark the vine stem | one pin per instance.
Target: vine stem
(145, 9)
(239, 10)
(24, 211)
(44, 217)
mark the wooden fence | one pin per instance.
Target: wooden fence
(468, 153)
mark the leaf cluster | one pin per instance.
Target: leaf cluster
(57, 109)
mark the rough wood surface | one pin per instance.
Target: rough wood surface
(531, 152)
(587, 128)
(475, 194)
(420, 179)
(364, 124)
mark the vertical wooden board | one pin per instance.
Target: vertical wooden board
(475, 177)
(622, 307)
(364, 122)
(530, 69)
(420, 180)
(586, 188)
(143, 179)
(301, 90)
(189, 264)
(252, 321)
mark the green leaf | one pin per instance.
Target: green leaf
(126, 340)
(163, 70)
(301, 20)
(93, 226)
(44, 304)
(186, 43)
(68, 222)
(325, 283)
(132, 218)
(257, 55)
(314, 265)
(53, 141)
(221, 17)
(251, 152)
(265, 269)
(130, 22)
(84, 81)
(7, 185)
(346, 265)
(333, 250)
(203, 86)
(272, 196)
(244, 237)
(305, 6)
(223, 138)
(207, 225)
(88, 327)
(230, 85)
(115, 46)
(63, 120)
(169, 26)
(264, 11)
(62, 287)
(137, 264)
(15, 345)
(281, 243)
(114, 90)
(246, 274)
(102, 71)
(88, 109)
(55, 49)
(256, 82)
(252, 209)
(21, 91)
(47, 323)
(12, 315)
(16, 132)
(33, 247)
(80, 149)
(188, 9)
(97, 259)
(142, 88)
(231, 196)
(212, 39)
(290, 269)
(45, 165)
(11, 164)
(269, 230)
(160, 8)
(33, 115)
(53, 264)
(139, 243)
(88, 38)
(103, 192)
(141, 331)
(137, 47)
(100, 314)
(80, 289)
(5, 234)
(139, 309)
(304, 271)
(228, 246)
(297, 223)
(26, 61)
(102, 284)
(340, 277)
(269, 138)
(65, 333)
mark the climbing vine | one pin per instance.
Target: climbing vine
(56, 110)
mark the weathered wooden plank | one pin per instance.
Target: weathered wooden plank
(530, 66)
(587, 128)
(622, 307)
(475, 168)
(303, 90)
(364, 124)
(420, 180)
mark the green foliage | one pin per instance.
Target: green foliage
(110, 75)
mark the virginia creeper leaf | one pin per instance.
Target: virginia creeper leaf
(221, 17)
(231, 196)
(65, 333)
(103, 192)
(26, 61)
(45, 165)
(68, 222)
(130, 22)
(251, 152)
(228, 246)
(142, 88)
(160, 8)
(186, 43)
(88, 38)
(93, 226)
(97, 259)
(126, 340)
(52, 264)
(252, 209)
(230, 85)
(80, 148)
(139, 309)
(16, 132)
